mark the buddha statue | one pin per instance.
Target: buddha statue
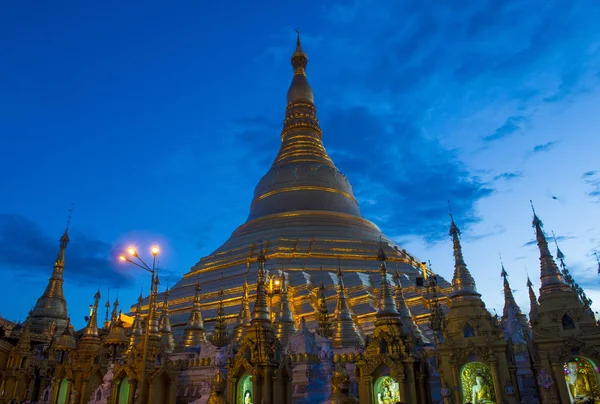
(578, 384)
(481, 393)
(247, 397)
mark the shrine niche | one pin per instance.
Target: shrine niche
(63, 392)
(245, 391)
(581, 378)
(387, 390)
(477, 384)
(123, 391)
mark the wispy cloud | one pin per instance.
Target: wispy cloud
(545, 147)
(512, 125)
(509, 176)
(592, 179)
(558, 238)
(27, 251)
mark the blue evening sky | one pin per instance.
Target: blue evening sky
(157, 120)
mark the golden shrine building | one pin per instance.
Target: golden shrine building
(308, 302)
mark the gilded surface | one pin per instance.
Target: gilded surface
(387, 391)
(476, 375)
(581, 378)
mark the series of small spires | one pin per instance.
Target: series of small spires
(552, 279)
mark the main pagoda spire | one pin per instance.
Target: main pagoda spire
(303, 177)
(51, 307)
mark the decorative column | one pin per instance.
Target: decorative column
(559, 381)
(456, 384)
(497, 381)
(82, 397)
(133, 384)
(423, 387)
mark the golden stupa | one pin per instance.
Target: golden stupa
(309, 224)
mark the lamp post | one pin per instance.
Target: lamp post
(273, 288)
(139, 262)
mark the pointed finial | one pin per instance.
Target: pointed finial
(559, 253)
(298, 37)
(339, 270)
(261, 257)
(381, 254)
(503, 273)
(536, 219)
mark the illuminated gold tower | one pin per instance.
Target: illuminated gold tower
(305, 213)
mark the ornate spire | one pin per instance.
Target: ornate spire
(115, 312)
(194, 331)
(534, 305)
(324, 323)
(387, 313)
(136, 328)
(587, 302)
(91, 331)
(24, 342)
(550, 276)
(220, 336)
(345, 331)
(245, 316)
(302, 161)
(261, 310)
(462, 281)
(52, 306)
(408, 323)
(286, 326)
(509, 299)
(299, 89)
(152, 316)
(166, 333)
(515, 325)
(106, 318)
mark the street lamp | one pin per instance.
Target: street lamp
(273, 287)
(139, 262)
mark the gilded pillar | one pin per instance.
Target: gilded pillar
(55, 387)
(365, 389)
(559, 381)
(497, 381)
(82, 396)
(423, 389)
(257, 381)
(402, 381)
(133, 385)
(456, 383)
